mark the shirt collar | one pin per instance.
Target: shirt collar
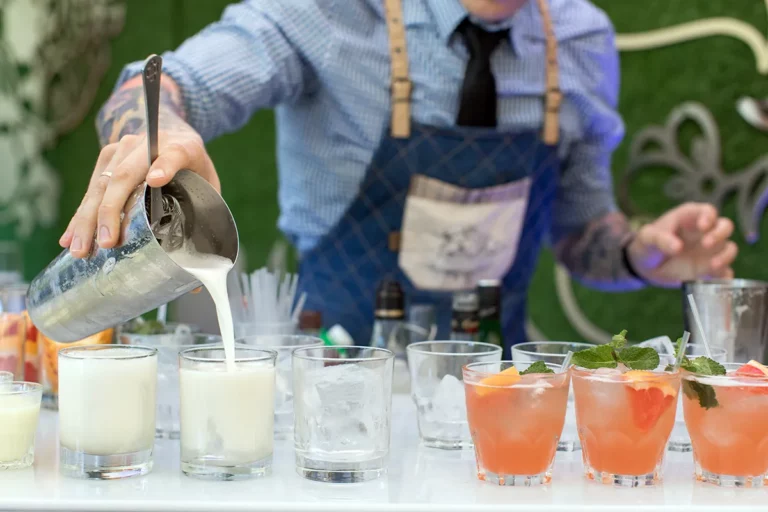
(448, 14)
(525, 25)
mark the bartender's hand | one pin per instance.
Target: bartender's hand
(123, 162)
(686, 243)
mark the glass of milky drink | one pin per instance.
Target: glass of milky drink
(107, 410)
(343, 415)
(227, 412)
(19, 411)
(284, 345)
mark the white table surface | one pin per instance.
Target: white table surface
(419, 479)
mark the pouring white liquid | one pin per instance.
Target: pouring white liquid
(212, 270)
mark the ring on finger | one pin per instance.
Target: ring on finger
(108, 174)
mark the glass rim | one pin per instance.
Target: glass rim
(385, 354)
(188, 354)
(553, 354)
(721, 350)
(126, 328)
(590, 374)
(7, 388)
(416, 347)
(514, 362)
(724, 284)
(246, 322)
(210, 339)
(71, 352)
(746, 379)
(243, 341)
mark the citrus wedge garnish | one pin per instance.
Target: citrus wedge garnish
(752, 369)
(648, 396)
(508, 377)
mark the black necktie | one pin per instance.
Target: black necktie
(478, 93)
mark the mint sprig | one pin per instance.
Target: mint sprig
(700, 366)
(537, 367)
(615, 352)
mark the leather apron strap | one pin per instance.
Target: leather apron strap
(401, 85)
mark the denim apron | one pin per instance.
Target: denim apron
(417, 167)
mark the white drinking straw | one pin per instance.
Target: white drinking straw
(567, 361)
(696, 317)
(162, 313)
(681, 354)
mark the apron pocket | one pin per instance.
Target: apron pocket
(452, 237)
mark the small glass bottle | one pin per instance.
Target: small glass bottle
(489, 311)
(389, 317)
(311, 323)
(464, 322)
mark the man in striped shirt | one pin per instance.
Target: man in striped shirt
(436, 142)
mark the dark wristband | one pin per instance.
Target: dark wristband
(628, 264)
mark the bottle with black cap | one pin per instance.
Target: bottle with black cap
(489, 311)
(389, 316)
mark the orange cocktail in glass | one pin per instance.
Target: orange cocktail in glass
(624, 421)
(515, 420)
(727, 419)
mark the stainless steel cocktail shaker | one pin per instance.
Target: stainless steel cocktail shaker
(75, 298)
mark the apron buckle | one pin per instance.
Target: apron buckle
(401, 90)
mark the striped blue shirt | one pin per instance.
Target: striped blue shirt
(324, 66)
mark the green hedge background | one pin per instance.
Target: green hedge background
(714, 71)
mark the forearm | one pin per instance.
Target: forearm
(124, 112)
(595, 256)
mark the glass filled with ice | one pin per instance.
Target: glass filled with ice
(554, 352)
(343, 412)
(727, 418)
(6, 377)
(625, 418)
(516, 412)
(438, 390)
(227, 412)
(107, 410)
(19, 411)
(169, 343)
(284, 345)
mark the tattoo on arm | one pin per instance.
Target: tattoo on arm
(595, 255)
(124, 112)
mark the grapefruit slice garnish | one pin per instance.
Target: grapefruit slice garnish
(752, 369)
(31, 329)
(508, 377)
(648, 397)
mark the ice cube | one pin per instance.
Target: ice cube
(540, 386)
(427, 377)
(608, 371)
(345, 409)
(283, 383)
(448, 402)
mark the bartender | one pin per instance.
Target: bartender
(436, 142)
